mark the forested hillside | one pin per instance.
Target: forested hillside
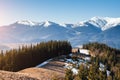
(104, 64)
(104, 53)
(29, 56)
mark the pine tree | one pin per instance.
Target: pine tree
(83, 72)
(69, 75)
(102, 75)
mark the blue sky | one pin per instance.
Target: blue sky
(61, 11)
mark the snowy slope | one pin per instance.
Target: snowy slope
(104, 22)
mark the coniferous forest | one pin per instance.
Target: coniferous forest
(100, 53)
(110, 57)
(30, 56)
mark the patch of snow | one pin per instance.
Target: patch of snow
(75, 71)
(68, 66)
(47, 23)
(44, 63)
(73, 65)
(64, 25)
(87, 58)
(84, 51)
(108, 72)
(27, 22)
(102, 67)
(70, 61)
(80, 60)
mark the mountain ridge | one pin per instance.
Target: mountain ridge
(98, 29)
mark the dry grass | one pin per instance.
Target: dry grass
(47, 72)
(54, 69)
(5, 75)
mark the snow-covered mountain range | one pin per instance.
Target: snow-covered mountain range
(100, 29)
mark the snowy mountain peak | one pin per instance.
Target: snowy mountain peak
(26, 22)
(104, 22)
(98, 21)
(111, 22)
(31, 23)
(47, 23)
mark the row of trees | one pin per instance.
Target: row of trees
(29, 56)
